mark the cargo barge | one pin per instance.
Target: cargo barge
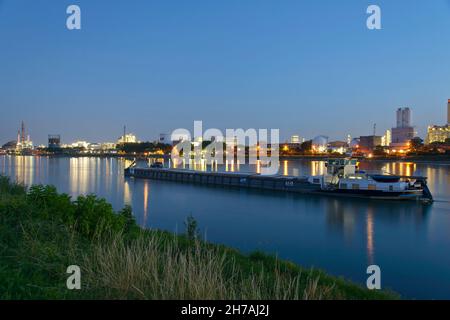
(341, 179)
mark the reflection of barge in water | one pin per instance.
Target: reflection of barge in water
(341, 179)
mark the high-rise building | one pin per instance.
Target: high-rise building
(436, 133)
(403, 118)
(404, 132)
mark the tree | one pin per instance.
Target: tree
(416, 144)
(306, 146)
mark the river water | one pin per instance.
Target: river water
(409, 241)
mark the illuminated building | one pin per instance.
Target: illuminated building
(105, 146)
(354, 144)
(295, 139)
(386, 140)
(127, 138)
(319, 144)
(439, 133)
(94, 147)
(338, 146)
(404, 132)
(368, 143)
(79, 144)
(23, 140)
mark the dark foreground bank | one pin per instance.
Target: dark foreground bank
(43, 232)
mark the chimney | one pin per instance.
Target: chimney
(448, 112)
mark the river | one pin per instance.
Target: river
(409, 241)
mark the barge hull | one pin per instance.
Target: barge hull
(256, 181)
(241, 180)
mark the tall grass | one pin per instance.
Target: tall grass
(144, 269)
(42, 232)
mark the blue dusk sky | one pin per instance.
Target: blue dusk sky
(306, 67)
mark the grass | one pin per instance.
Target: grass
(42, 232)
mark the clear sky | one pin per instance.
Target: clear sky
(306, 67)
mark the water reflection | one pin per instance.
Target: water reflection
(285, 168)
(22, 168)
(79, 175)
(370, 236)
(146, 194)
(356, 217)
(127, 193)
(400, 168)
(317, 168)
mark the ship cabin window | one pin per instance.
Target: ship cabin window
(355, 186)
(372, 187)
(391, 188)
(343, 186)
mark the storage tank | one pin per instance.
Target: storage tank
(320, 143)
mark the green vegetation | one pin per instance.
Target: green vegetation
(42, 232)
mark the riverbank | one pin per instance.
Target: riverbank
(438, 159)
(42, 232)
(426, 159)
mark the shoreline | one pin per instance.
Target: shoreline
(445, 159)
(433, 160)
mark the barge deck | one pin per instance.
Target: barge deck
(230, 179)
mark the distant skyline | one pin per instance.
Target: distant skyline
(306, 67)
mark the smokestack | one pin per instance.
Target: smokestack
(22, 138)
(448, 112)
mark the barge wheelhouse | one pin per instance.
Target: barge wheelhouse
(343, 178)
